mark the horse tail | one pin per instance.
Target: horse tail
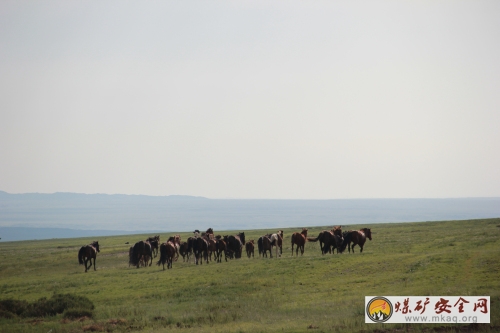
(81, 255)
(163, 254)
(312, 239)
(135, 254)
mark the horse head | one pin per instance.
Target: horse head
(242, 237)
(368, 233)
(304, 232)
(96, 245)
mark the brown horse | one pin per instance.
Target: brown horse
(199, 246)
(168, 251)
(235, 244)
(183, 251)
(154, 241)
(356, 237)
(265, 245)
(87, 253)
(221, 247)
(211, 246)
(249, 247)
(140, 249)
(299, 239)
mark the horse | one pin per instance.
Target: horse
(327, 240)
(143, 262)
(235, 243)
(277, 241)
(299, 239)
(221, 248)
(259, 245)
(140, 249)
(87, 253)
(357, 237)
(154, 246)
(199, 246)
(167, 254)
(211, 246)
(249, 247)
(183, 251)
(265, 245)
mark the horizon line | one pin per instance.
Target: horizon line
(228, 198)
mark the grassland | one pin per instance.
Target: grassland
(312, 293)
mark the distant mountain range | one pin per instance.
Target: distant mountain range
(66, 213)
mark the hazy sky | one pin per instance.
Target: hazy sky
(251, 99)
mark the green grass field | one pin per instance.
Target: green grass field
(311, 293)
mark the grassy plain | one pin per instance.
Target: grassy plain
(311, 293)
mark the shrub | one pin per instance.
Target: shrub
(12, 306)
(45, 307)
(57, 304)
(77, 313)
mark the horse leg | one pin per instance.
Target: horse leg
(292, 249)
(94, 264)
(90, 263)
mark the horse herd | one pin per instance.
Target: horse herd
(203, 246)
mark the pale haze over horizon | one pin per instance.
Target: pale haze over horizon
(251, 99)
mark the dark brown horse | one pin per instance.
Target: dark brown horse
(155, 242)
(299, 239)
(87, 253)
(199, 246)
(235, 244)
(211, 246)
(154, 247)
(220, 244)
(328, 240)
(140, 249)
(183, 251)
(249, 247)
(356, 237)
(265, 245)
(168, 252)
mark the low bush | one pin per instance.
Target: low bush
(12, 306)
(44, 307)
(77, 313)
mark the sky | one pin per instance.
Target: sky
(251, 99)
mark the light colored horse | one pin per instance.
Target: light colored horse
(277, 242)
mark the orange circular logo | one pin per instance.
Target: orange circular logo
(379, 309)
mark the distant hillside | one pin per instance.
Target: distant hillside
(184, 213)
